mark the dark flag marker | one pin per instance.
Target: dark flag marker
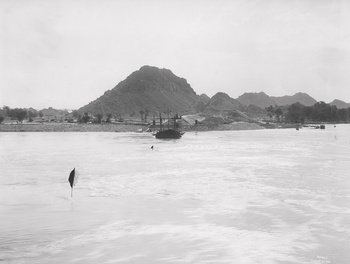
(71, 180)
(152, 147)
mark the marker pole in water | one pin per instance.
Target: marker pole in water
(71, 180)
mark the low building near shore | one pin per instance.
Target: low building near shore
(191, 119)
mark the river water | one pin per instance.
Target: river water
(262, 196)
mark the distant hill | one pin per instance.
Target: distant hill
(149, 89)
(263, 100)
(302, 98)
(152, 90)
(204, 98)
(202, 103)
(54, 112)
(339, 104)
(51, 113)
(222, 105)
(222, 102)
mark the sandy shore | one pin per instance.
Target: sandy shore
(112, 127)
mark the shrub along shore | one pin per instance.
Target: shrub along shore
(114, 127)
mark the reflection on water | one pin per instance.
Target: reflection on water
(269, 196)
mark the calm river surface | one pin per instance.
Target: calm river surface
(263, 196)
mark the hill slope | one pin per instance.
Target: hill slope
(340, 104)
(258, 99)
(152, 90)
(222, 102)
(302, 98)
(148, 89)
(263, 100)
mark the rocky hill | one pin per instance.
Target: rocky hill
(54, 114)
(222, 102)
(263, 100)
(302, 98)
(340, 104)
(202, 103)
(150, 90)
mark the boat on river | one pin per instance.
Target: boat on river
(169, 133)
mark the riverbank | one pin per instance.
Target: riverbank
(113, 127)
(69, 127)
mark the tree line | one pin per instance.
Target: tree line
(86, 117)
(295, 113)
(19, 114)
(319, 112)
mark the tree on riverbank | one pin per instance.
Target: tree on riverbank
(85, 118)
(109, 116)
(278, 113)
(17, 113)
(98, 119)
(319, 112)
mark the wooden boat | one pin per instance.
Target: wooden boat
(168, 133)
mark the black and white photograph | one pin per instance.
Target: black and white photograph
(174, 131)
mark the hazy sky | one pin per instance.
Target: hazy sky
(65, 54)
